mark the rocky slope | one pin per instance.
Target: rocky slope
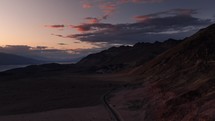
(118, 58)
(178, 85)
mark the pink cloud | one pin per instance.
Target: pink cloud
(139, 1)
(87, 5)
(93, 27)
(142, 18)
(92, 20)
(172, 12)
(109, 8)
(80, 28)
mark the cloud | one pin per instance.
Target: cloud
(16, 48)
(92, 27)
(110, 6)
(175, 23)
(87, 5)
(173, 12)
(62, 44)
(58, 35)
(41, 47)
(55, 26)
(92, 20)
(140, 1)
(45, 53)
(107, 6)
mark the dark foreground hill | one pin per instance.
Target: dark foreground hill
(10, 59)
(178, 85)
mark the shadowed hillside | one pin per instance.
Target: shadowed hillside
(119, 58)
(178, 85)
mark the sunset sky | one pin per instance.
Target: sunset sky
(68, 29)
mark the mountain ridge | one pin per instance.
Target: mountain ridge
(11, 59)
(119, 58)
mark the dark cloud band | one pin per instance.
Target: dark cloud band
(173, 23)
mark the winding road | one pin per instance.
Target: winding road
(115, 115)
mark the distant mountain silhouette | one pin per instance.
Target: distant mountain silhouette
(118, 58)
(11, 59)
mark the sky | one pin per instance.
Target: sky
(68, 29)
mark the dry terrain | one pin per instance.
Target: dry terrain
(57, 97)
(95, 113)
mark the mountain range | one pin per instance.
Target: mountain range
(163, 81)
(11, 59)
(123, 57)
